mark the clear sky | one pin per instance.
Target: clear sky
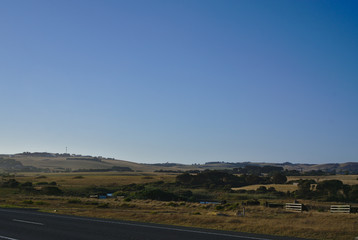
(181, 81)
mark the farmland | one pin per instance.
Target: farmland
(243, 197)
(224, 211)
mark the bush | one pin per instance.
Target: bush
(11, 183)
(51, 190)
(320, 209)
(232, 206)
(78, 177)
(74, 201)
(172, 204)
(27, 187)
(242, 197)
(41, 177)
(41, 183)
(26, 184)
(103, 205)
(241, 191)
(157, 194)
(185, 194)
(147, 177)
(126, 205)
(261, 189)
(120, 194)
(219, 207)
(97, 190)
(252, 202)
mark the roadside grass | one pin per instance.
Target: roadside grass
(257, 219)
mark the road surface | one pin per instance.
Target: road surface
(24, 224)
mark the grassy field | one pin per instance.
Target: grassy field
(346, 179)
(60, 164)
(106, 179)
(317, 223)
(278, 187)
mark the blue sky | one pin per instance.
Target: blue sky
(181, 81)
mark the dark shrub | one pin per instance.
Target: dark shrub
(74, 201)
(261, 189)
(278, 178)
(252, 202)
(11, 183)
(26, 184)
(51, 190)
(157, 194)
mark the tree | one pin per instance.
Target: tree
(353, 194)
(261, 189)
(278, 178)
(51, 190)
(157, 194)
(184, 178)
(304, 188)
(252, 179)
(11, 183)
(330, 189)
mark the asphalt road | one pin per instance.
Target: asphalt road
(22, 224)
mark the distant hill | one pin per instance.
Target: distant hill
(8, 164)
(51, 162)
(350, 167)
(56, 162)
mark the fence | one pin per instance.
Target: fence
(295, 207)
(340, 208)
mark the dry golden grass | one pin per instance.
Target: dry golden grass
(312, 224)
(107, 179)
(315, 225)
(278, 187)
(346, 179)
(258, 219)
(60, 163)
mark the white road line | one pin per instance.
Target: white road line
(7, 238)
(24, 221)
(141, 225)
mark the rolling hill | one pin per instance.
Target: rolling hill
(55, 162)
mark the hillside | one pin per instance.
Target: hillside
(63, 162)
(54, 162)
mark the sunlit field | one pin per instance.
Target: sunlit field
(107, 179)
(317, 223)
(346, 179)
